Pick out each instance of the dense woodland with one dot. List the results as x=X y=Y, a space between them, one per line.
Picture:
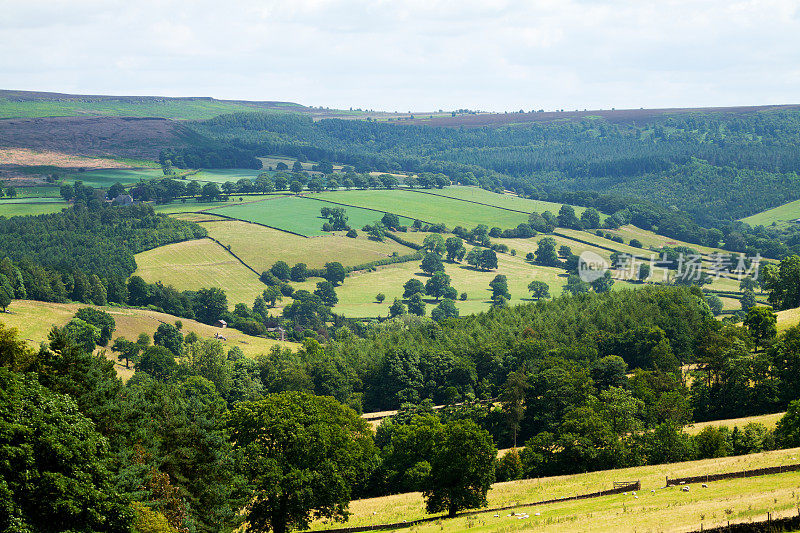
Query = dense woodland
x=585 y=382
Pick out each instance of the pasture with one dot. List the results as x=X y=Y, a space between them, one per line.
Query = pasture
x=426 y=207
x=296 y=214
x=197 y=264
x=788 y=318
x=666 y=509
x=260 y=247
x=107 y=177
x=34 y=320
x=193 y=205
x=507 y=201
x=357 y=293
x=783 y=215
x=31 y=206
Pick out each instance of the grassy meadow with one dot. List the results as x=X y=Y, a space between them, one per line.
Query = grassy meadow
x=196 y=264
x=357 y=293
x=107 y=177
x=783 y=215
x=31 y=206
x=769 y=421
x=296 y=214
x=34 y=320
x=666 y=509
x=506 y=201
x=426 y=207
x=260 y=247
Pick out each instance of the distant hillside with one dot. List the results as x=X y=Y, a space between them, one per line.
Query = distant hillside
x=28 y=104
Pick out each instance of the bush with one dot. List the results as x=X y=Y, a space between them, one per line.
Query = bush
x=463 y=296
x=636 y=243
x=352 y=233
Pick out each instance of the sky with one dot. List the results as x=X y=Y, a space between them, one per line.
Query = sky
x=418 y=55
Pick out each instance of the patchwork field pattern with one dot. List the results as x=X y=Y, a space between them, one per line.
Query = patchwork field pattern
x=260 y=247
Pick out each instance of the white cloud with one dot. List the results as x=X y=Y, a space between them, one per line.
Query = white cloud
x=411 y=54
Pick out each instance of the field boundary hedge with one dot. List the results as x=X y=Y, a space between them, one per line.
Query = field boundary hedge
x=235 y=256
x=730 y=475
x=400 y=240
x=618 y=490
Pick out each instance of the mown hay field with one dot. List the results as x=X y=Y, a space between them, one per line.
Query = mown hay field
x=666 y=509
x=197 y=264
x=260 y=247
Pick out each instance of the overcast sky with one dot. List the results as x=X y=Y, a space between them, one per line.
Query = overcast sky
x=411 y=54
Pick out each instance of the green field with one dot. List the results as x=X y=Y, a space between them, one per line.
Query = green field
x=107 y=177
x=296 y=214
x=222 y=175
x=666 y=509
x=192 y=265
x=427 y=207
x=39 y=192
x=185 y=109
x=260 y=247
x=508 y=201
x=192 y=205
x=783 y=215
x=31 y=206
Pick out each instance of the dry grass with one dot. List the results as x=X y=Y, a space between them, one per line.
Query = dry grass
x=662 y=510
x=260 y=247
x=35 y=319
x=200 y=263
x=788 y=318
x=768 y=420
